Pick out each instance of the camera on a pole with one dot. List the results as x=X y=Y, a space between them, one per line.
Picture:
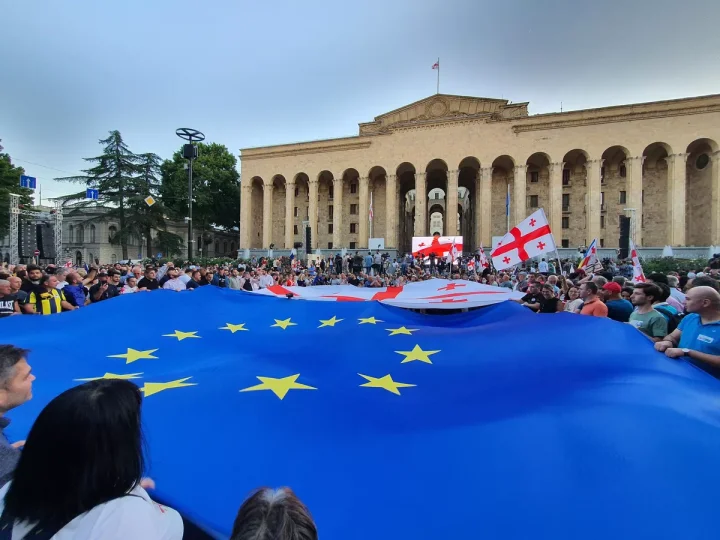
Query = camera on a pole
x=190 y=151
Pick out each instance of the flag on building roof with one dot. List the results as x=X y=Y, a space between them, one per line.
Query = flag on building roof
x=528 y=239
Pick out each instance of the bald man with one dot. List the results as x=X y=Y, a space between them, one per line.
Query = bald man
x=697 y=337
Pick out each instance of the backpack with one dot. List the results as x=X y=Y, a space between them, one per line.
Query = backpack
x=673 y=319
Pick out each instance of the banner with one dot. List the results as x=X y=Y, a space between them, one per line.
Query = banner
x=439 y=245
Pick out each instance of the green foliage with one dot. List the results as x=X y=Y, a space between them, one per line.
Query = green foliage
x=216 y=187
x=665 y=265
x=10 y=183
x=124 y=180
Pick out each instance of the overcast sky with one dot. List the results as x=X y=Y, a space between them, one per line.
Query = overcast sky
x=259 y=73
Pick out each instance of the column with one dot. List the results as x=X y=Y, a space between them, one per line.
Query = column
x=289 y=215
x=451 y=200
x=519 y=195
x=715 y=201
x=267 y=215
x=245 y=212
x=391 y=211
x=364 y=212
x=337 y=218
x=420 y=205
x=313 y=211
x=634 y=175
x=483 y=208
x=677 y=178
x=555 y=201
x=592 y=200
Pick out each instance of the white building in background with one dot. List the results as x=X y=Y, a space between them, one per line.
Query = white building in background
x=87 y=239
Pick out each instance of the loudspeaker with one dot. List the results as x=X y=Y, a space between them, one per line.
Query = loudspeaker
x=624 y=237
x=308 y=240
x=189 y=151
x=46 y=240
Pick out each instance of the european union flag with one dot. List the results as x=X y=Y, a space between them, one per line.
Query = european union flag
x=497 y=423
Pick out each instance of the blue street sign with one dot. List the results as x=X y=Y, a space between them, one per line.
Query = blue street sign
x=159 y=256
x=29 y=182
x=92 y=194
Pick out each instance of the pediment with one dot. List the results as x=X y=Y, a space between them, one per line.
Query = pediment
x=444 y=108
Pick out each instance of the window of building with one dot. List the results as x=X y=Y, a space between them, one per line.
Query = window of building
x=297 y=191
x=353 y=187
x=602 y=175
x=71 y=230
x=80 y=234
x=353 y=208
x=353 y=228
x=702 y=161
x=331 y=190
x=329 y=245
x=565 y=222
x=623 y=197
x=225 y=247
x=534 y=177
x=602 y=242
x=330 y=211
x=623 y=170
x=217 y=247
x=198 y=246
x=642 y=198
x=92 y=234
x=566 y=202
x=353 y=245
x=330 y=228
x=233 y=251
x=112 y=231
x=533 y=201
x=602 y=199
x=296 y=212
x=295 y=229
x=565 y=243
x=566 y=177
x=602 y=222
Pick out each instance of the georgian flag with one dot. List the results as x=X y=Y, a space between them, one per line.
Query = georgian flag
x=638 y=275
x=530 y=238
x=483 y=258
x=452 y=252
x=471 y=265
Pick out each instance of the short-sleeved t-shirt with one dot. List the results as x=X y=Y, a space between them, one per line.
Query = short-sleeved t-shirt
x=530 y=298
x=651 y=323
x=7 y=305
x=619 y=310
x=549 y=305
x=595 y=308
x=134 y=516
x=700 y=337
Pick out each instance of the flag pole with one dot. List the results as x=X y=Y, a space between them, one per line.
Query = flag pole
x=507 y=206
x=372 y=210
x=438 y=75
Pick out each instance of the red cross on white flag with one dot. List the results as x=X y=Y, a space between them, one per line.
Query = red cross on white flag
x=528 y=239
x=638 y=275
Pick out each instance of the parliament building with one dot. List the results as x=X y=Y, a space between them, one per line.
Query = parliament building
x=457 y=164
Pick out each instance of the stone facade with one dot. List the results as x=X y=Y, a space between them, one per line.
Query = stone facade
x=656 y=163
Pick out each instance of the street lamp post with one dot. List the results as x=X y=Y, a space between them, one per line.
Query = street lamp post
x=190 y=153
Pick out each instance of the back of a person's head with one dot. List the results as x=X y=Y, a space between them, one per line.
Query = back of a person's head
x=664 y=292
x=705 y=281
x=619 y=279
x=84 y=449
x=657 y=277
x=274 y=514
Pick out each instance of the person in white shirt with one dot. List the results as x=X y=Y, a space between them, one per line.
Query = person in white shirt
x=265 y=280
x=130 y=286
x=68 y=485
x=174 y=283
x=543 y=267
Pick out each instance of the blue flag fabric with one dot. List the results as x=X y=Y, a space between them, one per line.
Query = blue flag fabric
x=497 y=423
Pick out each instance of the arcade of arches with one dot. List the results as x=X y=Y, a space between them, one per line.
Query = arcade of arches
x=669 y=187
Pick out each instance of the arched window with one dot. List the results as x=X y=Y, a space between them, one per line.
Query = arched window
x=92 y=259
x=623 y=170
x=225 y=247
x=217 y=247
x=78 y=258
x=92 y=234
x=79 y=234
x=71 y=232
x=232 y=248
x=112 y=231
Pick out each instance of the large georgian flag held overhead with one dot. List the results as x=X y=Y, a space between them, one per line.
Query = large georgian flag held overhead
x=528 y=239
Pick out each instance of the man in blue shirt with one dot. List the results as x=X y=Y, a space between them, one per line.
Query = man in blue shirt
x=619 y=309
x=697 y=337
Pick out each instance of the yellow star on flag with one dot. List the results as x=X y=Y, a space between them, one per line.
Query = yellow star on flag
x=125 y=377
x=401 y=330
x=330 y=322
x=283 y=323
x=280 y=387
x=151 y=388
x=417 y=354
x=386 y=383
x=132 y=355
x=369 y=320
x=149 y=200
x=234 y=327
x=182 y=335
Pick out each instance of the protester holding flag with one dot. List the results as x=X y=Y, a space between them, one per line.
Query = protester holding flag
x=530 y=238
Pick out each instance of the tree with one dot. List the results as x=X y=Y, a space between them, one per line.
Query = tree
x=216 y=187
x=123 y=180
x=10 y=183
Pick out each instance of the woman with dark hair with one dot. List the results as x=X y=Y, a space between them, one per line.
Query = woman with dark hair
x=79 y=473
x=274 y=514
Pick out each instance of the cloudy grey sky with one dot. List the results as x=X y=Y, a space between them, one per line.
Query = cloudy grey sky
x=258 y=73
